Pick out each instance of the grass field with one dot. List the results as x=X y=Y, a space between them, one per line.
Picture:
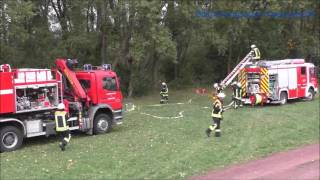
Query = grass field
x=145 y=147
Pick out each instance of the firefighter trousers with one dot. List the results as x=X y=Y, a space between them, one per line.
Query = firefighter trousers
x=237 y=101
x=65 y=137
x=215 y=127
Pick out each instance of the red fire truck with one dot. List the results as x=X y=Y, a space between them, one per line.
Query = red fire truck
x=29 y=97
x=277 y=81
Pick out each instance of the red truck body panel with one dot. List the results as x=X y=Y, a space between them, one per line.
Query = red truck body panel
x=6 y=93
x=293 y=76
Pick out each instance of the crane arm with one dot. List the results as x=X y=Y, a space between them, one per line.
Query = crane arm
x=79 y=92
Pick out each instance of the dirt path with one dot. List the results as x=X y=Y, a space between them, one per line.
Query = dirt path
x=301 y=164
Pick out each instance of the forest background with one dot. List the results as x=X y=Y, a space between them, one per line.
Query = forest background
x=184 y=43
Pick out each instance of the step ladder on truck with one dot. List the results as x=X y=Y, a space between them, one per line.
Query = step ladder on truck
x=232 y=75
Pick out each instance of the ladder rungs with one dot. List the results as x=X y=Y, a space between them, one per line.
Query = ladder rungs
x=236 y=69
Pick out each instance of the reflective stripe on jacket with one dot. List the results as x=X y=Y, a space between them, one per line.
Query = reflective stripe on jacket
x=258 y=98
x=256 y=53
x=61 y=121
x=164 y=91
x=217 y=109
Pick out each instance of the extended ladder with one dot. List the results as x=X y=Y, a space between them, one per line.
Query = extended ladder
x=235 y=71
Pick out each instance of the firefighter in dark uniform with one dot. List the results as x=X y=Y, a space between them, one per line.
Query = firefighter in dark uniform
x=62 y=127
x=237 y=94
x=255 y=53
x=216 y=115
x=164 y=93
x=217 y=88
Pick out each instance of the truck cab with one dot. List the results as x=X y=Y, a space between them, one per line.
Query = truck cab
x=102 y=86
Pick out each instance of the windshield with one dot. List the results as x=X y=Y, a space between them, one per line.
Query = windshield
x=109 y=83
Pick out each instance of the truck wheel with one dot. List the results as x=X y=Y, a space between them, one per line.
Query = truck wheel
x=310 y=94
x=102 y=124
x=11 y=138
x=283 y=98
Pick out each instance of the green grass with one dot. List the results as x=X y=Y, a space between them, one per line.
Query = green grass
x=148 y=148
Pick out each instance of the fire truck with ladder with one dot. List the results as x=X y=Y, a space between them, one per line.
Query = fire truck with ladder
x=274 y=81
x=29 y=98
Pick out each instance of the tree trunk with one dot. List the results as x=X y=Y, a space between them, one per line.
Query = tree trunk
x=102 y=28
x=176 y=70
x=154 y=66
x=155 y=74
x=61 y=9
x=103 y=46
x=229 y=57
x=3 y=33
x=185 y=50
x=130 y=86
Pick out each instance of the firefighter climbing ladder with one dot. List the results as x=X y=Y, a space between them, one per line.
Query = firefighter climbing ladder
x=236 y=71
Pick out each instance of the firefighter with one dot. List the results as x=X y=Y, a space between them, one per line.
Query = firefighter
x=217 y=88
x=164 y=93
x=62 y=127
x=5 y=68
x=216 y=115
x=255 y=53
x=237 y=94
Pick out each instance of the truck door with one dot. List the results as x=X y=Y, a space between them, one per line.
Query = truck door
x=111 y=93
x=292 y=88
x=302 y=81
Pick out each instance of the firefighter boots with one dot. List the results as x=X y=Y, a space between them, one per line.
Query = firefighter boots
x=208 y=131
x=62 y=146
x=217 y=134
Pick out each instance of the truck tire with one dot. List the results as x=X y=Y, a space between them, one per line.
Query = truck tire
x=283 y=98
x=310 y=96
x=11 y=138
x=102 y=124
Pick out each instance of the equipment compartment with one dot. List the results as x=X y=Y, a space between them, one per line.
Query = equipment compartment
x=34 y=98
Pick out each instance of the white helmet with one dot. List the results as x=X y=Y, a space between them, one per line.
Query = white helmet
x=234 y=83
x=61 y=106
x=221 y=95
x=253 y=46
x=215 y=85
x=164 y=84
x=239 y=84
